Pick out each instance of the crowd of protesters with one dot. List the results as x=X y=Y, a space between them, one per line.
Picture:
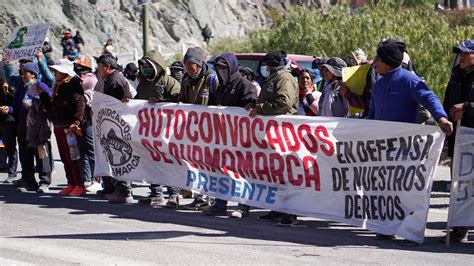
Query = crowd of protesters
x=42 y=100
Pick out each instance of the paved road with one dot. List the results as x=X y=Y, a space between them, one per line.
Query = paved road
x=49 y=229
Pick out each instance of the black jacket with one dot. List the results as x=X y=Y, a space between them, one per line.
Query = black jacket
x=115 y=85
x=6 y=100
x=236 y=90
x=460 y=89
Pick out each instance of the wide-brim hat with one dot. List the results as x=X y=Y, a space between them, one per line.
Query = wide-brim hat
x=335 y=66
x=64 y=66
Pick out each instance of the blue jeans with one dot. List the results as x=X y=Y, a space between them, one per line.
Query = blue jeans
x=87 y=150
x=222 y=204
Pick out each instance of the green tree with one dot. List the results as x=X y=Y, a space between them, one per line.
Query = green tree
x=428 y=35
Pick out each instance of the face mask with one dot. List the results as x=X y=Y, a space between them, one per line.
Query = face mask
x=223 y=75
x=195 y=75
x=29 y=83
x=177 y=75
x=148 y=72
x=264 y=71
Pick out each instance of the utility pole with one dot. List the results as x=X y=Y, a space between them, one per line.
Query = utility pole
x=146 y=28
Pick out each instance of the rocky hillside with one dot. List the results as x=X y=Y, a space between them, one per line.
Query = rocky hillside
x=173 y=23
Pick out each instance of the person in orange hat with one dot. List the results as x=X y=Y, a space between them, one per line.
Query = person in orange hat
x=83 y=67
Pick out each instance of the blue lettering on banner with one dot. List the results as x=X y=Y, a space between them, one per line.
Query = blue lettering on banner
x=239 y=188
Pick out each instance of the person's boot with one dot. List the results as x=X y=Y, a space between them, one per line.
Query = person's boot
x=10 y=179
x=19 y=182
x=214 y=210
x=197 y=203
x=173 y=202
x=78 y=191
x=457 y=235
x=66 y=191
x=116 y=198
x=288 y=220
x=26 y=188
x=43 y=188
x=240 y=213
x=272 y=215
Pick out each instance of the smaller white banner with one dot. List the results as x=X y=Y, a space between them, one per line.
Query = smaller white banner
x=461 y=210
x=25 y=41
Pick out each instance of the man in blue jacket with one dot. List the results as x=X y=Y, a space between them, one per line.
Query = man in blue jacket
x=398 y=92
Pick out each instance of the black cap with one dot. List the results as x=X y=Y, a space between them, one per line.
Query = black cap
x=274 y=58
x=391 y=52
x=177 y=65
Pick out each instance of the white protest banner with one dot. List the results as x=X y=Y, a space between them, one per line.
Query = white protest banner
x=372 y=174
x=461 y=205
x=25 y=41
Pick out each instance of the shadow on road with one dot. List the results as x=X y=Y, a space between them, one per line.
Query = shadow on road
x=314 y=232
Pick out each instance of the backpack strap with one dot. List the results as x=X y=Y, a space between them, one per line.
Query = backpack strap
x=212 y=80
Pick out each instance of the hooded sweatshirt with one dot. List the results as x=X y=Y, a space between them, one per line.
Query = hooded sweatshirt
x=162 y=87
x=235 y=90
x=197 y=91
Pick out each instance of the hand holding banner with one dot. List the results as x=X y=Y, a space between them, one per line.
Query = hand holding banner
x=372 y=174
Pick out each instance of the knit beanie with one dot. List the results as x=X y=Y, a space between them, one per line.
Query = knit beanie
x=30 y=67
x=391 y=52
x=194 y=55
x=273 y=59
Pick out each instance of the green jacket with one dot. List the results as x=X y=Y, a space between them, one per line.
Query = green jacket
x=279 y=94
x=198 y=91
x=162 y=87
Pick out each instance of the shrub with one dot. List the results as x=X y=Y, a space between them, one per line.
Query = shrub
x=428 y=35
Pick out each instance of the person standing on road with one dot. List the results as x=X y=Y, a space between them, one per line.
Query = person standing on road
x=398 y=93
x=156 y=86
x=65 y=108
x=459 y=104
x=8 y=131
x=28 y=124
x=233 y=90
x=279 y=96
x=83 y=68
x=116 y=85
x=199 y=82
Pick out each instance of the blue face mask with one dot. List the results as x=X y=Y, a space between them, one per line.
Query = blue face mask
x=264 y=71
x=29 y=83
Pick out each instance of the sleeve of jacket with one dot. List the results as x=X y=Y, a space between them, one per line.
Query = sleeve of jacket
x=248 y=93
x=80 y=107
x=371 y=114
x=313 y=100
x=47 y=75
x=428 y=99
x=174 y=88
x=355 y=99
x=284 y=91
x=448 y=101
x=12 y=80
x=182 y=95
